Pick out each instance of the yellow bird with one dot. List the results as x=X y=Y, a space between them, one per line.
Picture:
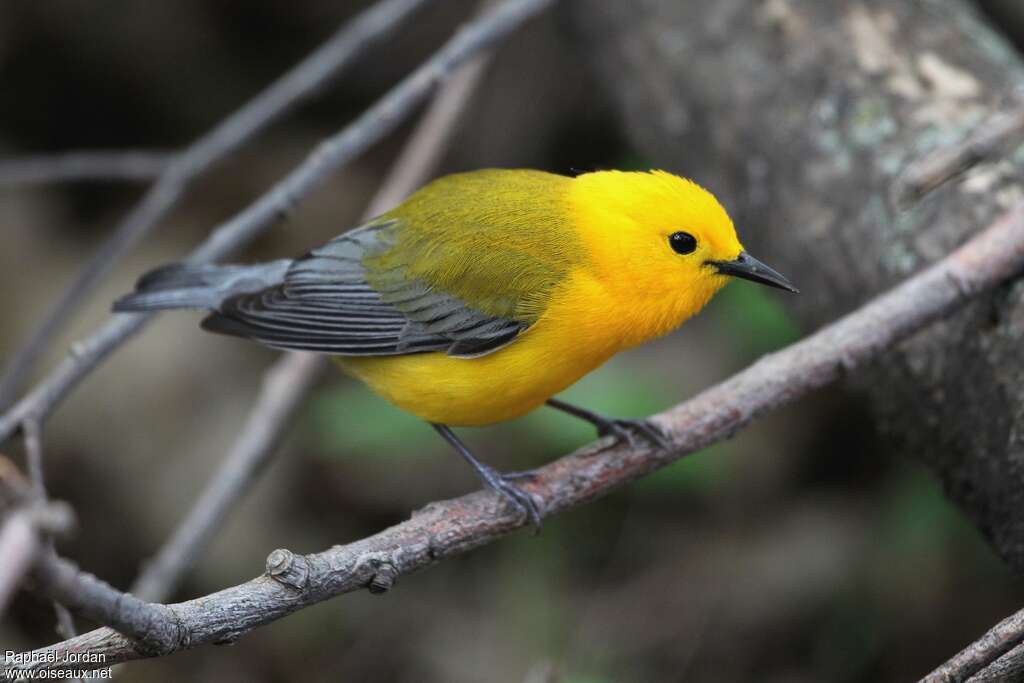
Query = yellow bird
x=485 y=293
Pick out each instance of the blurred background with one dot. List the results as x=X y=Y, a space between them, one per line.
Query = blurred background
x=798 y=551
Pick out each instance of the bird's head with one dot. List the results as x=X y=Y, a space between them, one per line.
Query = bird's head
x=663 y=242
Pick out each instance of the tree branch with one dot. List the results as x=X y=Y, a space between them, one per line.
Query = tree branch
x=130 y=165
x=1002 y=643
x=27 y=543
x=449 y=528
x=326 y=159
x=28 y=519
x=154 y=628
x=19 y=544
x=989 y=140
x=293 y=88
x=48 y=550
x=286 y=384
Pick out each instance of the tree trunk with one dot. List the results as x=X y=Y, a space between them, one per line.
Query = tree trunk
x=800 y=115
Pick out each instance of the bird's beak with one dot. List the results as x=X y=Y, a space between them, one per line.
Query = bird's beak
x=749 y=268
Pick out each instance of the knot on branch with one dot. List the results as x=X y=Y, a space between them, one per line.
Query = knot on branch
x=53 y=517
x=436 y=508
x=157 y=629
x=381 y=569
x=384 y=578
x=229 y=638
x=287 y=568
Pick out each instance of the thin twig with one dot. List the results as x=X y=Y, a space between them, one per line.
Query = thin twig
x=65 y=622
x=991 y=139
x=449 y=528
x=19 y=544
x=30 y=523
x=34 y=456
x=1007 y=669
x=327 y=158
x=48 y=550
x=103 y=165
x=19 y=541
x=998 y=641
x=27 y=544
x=296 y=86
x=422 y=153
x=287 y=382
x=154 y=627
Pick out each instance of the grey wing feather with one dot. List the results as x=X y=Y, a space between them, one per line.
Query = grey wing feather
x=325 y=305
x=202 y=286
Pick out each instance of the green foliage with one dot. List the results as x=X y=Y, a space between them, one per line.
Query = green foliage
x=753 y=318
x=350 y=420
x=919 y=525
x=532 y=569
x=847 y=644
x=587 y=678
x=699 y=474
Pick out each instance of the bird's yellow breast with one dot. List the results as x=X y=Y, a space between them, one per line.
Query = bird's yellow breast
x=555 y=352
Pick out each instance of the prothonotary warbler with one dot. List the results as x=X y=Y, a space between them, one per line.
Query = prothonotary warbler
x=485 y=293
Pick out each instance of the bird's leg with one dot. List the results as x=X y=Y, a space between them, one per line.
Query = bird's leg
x=623 y=429
x=519 y=499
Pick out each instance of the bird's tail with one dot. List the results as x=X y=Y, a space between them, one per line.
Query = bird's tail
x=205 y=286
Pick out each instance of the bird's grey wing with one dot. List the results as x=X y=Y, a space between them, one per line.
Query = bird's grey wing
x=326 y=305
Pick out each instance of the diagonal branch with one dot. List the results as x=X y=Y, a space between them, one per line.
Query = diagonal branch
x=34 y=457
x=19 y=545
x=990 y=140
x=29 y=521
x=449 y=528
x=293 y=88
x=154 y=627
x=379 y=120
x=287 y=382
x=26 y=546
x=1002 y=648
x=19 y=542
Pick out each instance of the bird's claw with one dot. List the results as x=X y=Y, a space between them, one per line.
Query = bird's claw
x=519 y=499
x=628 y=430
x=525 y=474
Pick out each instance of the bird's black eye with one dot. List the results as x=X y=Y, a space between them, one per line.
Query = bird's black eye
x=682 y=242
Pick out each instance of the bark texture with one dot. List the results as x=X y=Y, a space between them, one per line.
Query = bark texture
x=800 y=115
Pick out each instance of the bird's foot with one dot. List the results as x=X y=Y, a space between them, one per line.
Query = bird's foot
x=623 y=429
x=502 y=483
x=515 y=496
x=629 y=431
x=524 y=474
